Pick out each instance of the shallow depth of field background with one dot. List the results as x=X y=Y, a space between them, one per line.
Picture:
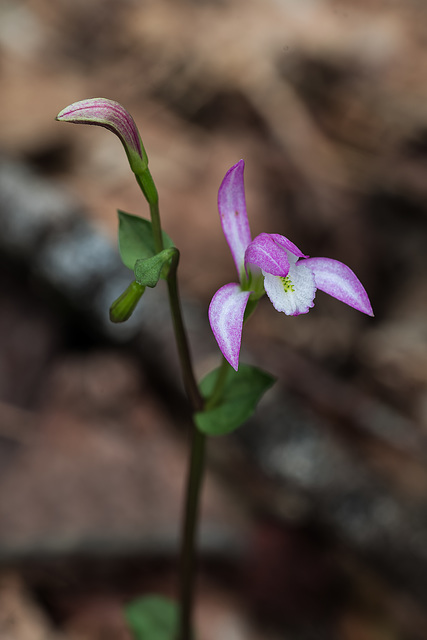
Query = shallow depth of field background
x=315 y=514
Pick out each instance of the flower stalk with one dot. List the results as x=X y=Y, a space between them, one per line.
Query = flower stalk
x=148 y=188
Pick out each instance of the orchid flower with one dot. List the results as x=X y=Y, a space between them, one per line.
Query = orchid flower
x=270 y=264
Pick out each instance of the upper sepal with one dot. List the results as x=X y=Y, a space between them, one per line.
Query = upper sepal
x=233 y=215
x=110 y=115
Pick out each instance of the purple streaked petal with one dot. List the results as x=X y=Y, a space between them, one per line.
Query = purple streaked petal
x=226 y=312
x=335 y=278
x=266 y=254
x=110 y=115
x=232 y=211
x=287 y=244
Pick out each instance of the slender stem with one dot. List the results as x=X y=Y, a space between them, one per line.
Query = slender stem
x=188 y=545
x=196 y=468
x=194 y=483
x=157 y=229
x=190 y=383
x=149 y=190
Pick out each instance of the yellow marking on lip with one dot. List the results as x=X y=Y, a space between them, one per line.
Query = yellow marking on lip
x=287 y=284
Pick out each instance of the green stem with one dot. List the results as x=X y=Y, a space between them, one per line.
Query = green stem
x=194 y=483
x=149 y=190
x=156 y=226
x=197 y=458
x=188 y=544
x=190 y=383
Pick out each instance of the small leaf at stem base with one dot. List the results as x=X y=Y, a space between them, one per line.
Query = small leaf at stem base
x=242 y=392
x=152 y=618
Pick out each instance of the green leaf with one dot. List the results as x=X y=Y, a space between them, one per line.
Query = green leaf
x=242 y=392
x=148 y=270
x=152 y=618
x=136 y=239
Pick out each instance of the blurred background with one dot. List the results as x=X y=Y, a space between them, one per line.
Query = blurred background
x=314 y=513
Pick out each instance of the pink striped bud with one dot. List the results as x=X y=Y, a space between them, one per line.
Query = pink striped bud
x=111 y=115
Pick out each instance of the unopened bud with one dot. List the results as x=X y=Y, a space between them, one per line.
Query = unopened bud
x=110 y=115
x=122 y=308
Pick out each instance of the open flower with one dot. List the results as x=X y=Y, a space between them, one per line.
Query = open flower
x=110 y=115
x=270 y=264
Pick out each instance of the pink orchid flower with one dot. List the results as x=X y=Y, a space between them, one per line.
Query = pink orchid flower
x=270 y=264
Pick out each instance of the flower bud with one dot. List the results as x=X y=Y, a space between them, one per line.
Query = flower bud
x=122 y=308
x=111 y=115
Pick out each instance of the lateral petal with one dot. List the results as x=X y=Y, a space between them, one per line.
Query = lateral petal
x=226 y=312
x=338 y=280
x=288 y=245
x=265 y=253
x=234 y=218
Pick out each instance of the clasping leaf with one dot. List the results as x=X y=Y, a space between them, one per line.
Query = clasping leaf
x=136 y=239
x=149 y=270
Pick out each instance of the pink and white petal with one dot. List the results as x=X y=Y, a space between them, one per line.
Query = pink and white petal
x=294 y=294
x=335 y=278
x=232 y=211
x=265 y=253
x=287 y=244
x=226 y=312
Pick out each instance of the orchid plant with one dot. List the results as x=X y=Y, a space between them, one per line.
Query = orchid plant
x=270 y=264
